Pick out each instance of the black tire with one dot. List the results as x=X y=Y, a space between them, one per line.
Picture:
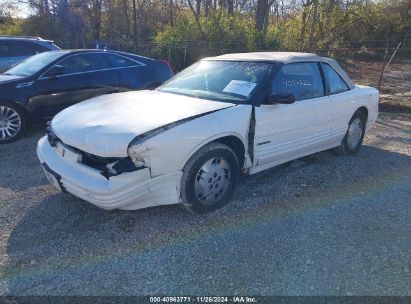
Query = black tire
x=209 y=152
x=345 y=148
x=23 y=123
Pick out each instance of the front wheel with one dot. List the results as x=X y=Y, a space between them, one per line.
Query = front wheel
x=12 y=122
x=353 y=139
x=209 y=178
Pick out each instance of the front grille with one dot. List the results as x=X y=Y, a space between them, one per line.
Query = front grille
x=88 y=159
x=99 y=163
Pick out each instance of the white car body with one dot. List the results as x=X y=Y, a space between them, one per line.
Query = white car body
x=177 y=126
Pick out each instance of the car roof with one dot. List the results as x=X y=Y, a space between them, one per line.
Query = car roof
x=97 y=50
x=81 y=51
x=285 y=57
x=30 y=38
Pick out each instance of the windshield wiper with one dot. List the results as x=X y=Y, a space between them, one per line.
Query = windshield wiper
x=226 y=96
x=242 y=97
x=18 y=75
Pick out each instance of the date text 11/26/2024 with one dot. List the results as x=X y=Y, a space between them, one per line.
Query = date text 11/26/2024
x=204 y=299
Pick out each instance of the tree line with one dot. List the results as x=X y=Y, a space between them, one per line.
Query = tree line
x=228 y=24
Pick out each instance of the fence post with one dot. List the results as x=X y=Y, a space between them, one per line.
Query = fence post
x=383 y=66
x=392 y=56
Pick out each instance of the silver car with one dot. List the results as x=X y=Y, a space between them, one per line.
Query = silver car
x=14 y=49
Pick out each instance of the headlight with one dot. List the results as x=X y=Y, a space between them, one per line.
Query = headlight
x=120 y=166
x=138 y=160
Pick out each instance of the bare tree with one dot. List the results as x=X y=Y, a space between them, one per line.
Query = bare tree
x=261 y=17
x=305 y=5
x=208 y=6
x=313 y=23
x=93 y=10
x=171 y=14
x=127 y=19
x=135 y=28
x=196 y=14
x=198 y=8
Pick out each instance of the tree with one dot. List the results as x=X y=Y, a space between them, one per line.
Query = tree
x=261 y=18
x=313 y=22
x=135 y=26
x=93 y=11
x=197 y=13
x=305 y=6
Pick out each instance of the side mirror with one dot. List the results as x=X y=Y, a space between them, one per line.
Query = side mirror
x=56 y=71
x=285 y=98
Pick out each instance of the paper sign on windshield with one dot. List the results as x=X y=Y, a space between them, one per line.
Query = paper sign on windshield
x=240 y=87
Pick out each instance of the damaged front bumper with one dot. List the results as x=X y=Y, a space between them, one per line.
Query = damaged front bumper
x=127 y=191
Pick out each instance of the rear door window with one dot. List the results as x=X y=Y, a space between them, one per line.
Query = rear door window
x=335 y=83
x=304 y=80
x=83 y=63
x=117 y=61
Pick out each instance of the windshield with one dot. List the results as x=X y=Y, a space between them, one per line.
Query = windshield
x=230 y=81
x=34 y=64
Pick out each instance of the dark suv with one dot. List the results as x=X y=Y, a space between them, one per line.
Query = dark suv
x=14 y=49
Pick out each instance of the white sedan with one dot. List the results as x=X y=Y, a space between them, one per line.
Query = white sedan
x=188 y=141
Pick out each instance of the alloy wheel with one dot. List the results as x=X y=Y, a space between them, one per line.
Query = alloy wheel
x=10 y=123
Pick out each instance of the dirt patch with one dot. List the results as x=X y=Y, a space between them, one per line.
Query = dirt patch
x=395 y=90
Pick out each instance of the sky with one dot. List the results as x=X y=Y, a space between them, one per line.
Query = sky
x=22 y=9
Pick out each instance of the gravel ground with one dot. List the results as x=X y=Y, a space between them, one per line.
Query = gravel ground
x=321 y=225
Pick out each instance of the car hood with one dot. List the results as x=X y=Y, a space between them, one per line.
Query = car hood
x=8 y=78
x=105 y=125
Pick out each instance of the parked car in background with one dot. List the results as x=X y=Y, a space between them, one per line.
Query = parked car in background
x=46 y=83
x=14 y=49
x=187 y=141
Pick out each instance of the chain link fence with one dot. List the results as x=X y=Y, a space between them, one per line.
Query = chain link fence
x=180 y=55
x=366 y=61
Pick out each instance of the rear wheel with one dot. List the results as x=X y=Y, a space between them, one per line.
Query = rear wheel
x=353 y=139
x=12 y=122
x=209 y=178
